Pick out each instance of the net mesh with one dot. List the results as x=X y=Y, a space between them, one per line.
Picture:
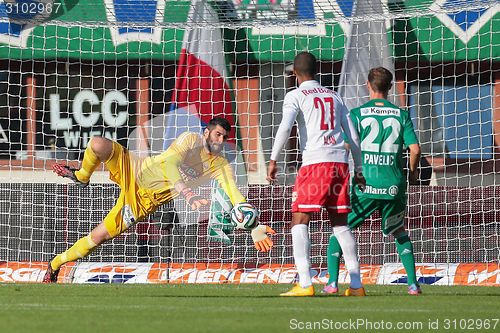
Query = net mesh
x=109 y=68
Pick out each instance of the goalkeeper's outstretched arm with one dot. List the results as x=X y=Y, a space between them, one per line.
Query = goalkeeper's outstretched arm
x=227 y=182
x=259 y=235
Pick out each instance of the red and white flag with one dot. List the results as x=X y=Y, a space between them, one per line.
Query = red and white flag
x=201 y=89
x=201 y=93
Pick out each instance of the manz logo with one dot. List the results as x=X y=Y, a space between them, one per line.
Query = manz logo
x=88 y=120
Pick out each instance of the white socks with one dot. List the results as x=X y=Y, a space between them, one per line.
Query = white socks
x=301 y=246
x=348 y=245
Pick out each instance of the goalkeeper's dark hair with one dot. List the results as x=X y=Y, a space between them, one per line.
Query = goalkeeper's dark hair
x=380 y=79
x=305 y=64
x=222 y=122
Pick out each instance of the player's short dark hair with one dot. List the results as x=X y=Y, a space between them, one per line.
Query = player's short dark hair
x=222 y=122
x=305 y=64
x=380 y=79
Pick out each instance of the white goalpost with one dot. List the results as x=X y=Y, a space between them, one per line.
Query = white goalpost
x=142 y=72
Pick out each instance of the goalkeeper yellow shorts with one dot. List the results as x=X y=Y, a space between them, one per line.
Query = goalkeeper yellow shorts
x=134 y=203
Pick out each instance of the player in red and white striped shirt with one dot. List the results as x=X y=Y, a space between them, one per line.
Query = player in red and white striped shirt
x=323 y=179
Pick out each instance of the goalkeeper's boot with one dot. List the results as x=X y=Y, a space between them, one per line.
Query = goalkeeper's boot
x=50 y=275
x=355 y=292
x=414 y=289
x=298 y=291
x=331 y=288
x=67 y=172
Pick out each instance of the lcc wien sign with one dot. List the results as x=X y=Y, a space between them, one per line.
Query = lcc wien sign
x=87 y=114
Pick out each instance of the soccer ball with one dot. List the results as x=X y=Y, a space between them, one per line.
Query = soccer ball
x=244 y=216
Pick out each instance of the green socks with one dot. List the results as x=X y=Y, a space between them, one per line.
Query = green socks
x=403 y=245
x=334 y=253
x=405 y=251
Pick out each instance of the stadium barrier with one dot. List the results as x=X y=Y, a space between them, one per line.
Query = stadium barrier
x=455 y=232
x=473 y=274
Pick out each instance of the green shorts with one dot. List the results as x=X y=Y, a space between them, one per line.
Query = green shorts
x=392 y=212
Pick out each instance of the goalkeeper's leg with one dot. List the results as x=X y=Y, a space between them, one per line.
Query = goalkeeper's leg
x=98 y=150
x=82 y=248
x=122 y=216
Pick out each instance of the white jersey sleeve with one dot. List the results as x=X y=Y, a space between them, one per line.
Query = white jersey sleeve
x=290 y=111
x=352 y=136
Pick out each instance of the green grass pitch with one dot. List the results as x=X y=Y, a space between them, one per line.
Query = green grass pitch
x=242 y=308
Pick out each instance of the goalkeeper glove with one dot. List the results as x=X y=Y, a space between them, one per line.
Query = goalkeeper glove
x=193 y=199
x=260 y=239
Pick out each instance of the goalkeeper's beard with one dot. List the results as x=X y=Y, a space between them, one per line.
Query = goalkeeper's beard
x=212 y=147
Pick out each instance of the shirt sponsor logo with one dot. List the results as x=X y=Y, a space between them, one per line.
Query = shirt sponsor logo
x=393 y=190
x=189 y=173
x=377 y=111
x=372 y=190
x=319 y=90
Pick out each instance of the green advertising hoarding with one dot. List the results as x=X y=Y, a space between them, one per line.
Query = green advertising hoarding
x=113 y=30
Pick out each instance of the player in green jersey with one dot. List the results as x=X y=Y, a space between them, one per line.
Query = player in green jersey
x=384 y=130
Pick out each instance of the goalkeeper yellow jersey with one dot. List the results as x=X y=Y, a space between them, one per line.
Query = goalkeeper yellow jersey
x=186 y=159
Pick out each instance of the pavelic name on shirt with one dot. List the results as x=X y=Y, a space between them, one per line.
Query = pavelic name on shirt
x=375 y=159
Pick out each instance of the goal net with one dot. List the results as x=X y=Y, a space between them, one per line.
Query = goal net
x=142 y=72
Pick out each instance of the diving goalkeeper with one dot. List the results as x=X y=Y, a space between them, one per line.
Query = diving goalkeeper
x=146 y=183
